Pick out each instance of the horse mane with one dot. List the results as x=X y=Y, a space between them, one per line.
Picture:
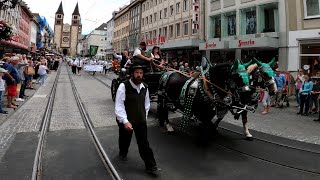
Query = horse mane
x=252 y=67
x=220 y=72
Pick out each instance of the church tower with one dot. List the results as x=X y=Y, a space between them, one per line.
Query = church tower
x=75 y=30
x=58 y=25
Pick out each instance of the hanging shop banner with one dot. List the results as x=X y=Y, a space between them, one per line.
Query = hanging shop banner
x=93 y=68
x=93 y=50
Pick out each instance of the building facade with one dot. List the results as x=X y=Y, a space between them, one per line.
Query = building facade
x=303 y=36
x=109 y=42
x=135 y=8
x=174 y=26
x=245 y=29
x=121 y=30
x=34 y=27
x=66 y=36
x=12 y=18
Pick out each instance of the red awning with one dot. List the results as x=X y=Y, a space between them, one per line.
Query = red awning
x=14 y=44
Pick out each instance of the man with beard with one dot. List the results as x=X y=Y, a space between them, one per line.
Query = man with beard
x=131 y=109
x=139 y=55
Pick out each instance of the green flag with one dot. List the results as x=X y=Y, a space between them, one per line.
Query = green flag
x=93 y=50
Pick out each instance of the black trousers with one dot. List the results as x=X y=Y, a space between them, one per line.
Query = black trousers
x=74 y=69
x=141 y=134
x=304 y=103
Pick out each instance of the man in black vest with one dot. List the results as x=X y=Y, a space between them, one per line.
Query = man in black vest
x=131 y=108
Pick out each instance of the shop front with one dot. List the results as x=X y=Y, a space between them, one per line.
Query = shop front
x=183 y=50
x=263 y=48
x=310 y=57
x=219 y=51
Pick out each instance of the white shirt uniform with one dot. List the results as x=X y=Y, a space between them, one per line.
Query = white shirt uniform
x=120 y=109
x=137 y=52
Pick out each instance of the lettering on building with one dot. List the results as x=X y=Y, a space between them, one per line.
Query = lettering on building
x=246 y=43
x=196 y=16
x=211 y=45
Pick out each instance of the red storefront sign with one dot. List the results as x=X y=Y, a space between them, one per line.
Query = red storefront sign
x=211 y=45
x=246 y=43
x=156 y=41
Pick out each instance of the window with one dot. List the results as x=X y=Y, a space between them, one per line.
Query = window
x=194 y=31
x=147 y=20
x=165 y=12
x=160 y=31
x=178 y=8
x=171 y=31
x=311 y=8
x=58 y=22
x=251 y=22
x=155 y=2
x=155 y=17
x=150 y=18
x=171 y=10
x=75 y=17
x=147 y=5
x=177 y=29
x=59 y=16
x=151 y=3
x=232 y=24
x=144 y=7
x=270 y=21
x=185 y=5
x=185 y=28
x=154 y=33
x=142 y=21
x=165 y=31
x=160 y=14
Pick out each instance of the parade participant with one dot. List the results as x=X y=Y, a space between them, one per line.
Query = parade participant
x=139 y=56
x=155 y=53
x=131 y=109
x=305 y=96
x=79 y=66
x=74 y=66
x=121 y=58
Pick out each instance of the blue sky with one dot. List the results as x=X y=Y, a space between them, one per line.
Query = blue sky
x=93 y=12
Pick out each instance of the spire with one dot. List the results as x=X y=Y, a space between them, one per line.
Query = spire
x=60 y=9
x=76 y=10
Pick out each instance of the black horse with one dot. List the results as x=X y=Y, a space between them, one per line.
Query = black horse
x=214 y=92
x=261 y=78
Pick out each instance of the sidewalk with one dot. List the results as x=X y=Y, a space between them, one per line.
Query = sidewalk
x=28 y=117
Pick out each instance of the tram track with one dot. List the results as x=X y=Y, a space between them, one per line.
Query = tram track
x=37 y=172
x=250 y=155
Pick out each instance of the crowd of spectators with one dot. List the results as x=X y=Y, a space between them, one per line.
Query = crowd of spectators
x=18 y=73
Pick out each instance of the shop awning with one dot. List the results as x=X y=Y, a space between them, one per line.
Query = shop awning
x=262 y=42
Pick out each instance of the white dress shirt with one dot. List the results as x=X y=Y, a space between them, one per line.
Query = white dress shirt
x=121 y=97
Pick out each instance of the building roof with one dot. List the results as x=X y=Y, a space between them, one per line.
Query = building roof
x=102 y=27
x=76 y=10
x=60 y=9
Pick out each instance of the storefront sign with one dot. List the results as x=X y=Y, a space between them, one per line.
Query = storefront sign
x=196 y=14
x=246 y=43
x=254 y=43
x=212 y=45
x=156 y=41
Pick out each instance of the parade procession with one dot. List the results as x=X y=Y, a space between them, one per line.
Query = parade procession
x=210 y=89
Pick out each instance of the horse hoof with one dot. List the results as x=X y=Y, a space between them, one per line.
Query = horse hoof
x=249 y=138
